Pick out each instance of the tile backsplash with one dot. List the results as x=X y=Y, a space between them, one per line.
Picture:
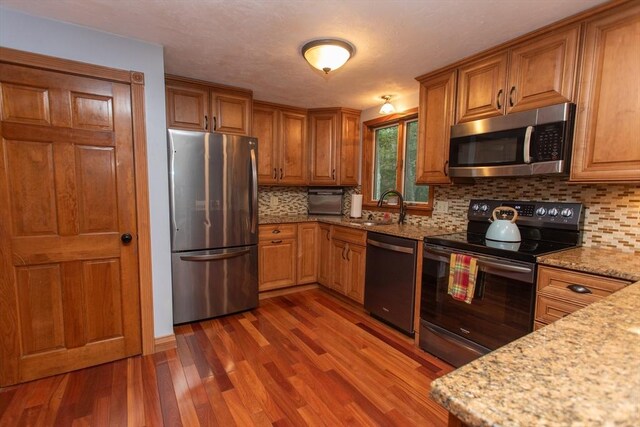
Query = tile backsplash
x=612 y=215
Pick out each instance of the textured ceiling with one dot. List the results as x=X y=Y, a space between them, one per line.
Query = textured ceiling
x=255 y=44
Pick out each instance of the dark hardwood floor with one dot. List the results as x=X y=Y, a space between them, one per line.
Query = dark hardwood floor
x=301 y=359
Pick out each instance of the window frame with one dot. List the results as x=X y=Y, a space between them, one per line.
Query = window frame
x=368 y=152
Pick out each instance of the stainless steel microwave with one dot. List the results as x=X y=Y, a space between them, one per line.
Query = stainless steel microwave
x=534 y=142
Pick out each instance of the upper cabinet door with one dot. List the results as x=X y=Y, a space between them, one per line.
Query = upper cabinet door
x=231 y=113
x=293 y=149
x=437 y=100
x=265 y=128
x=542 y=71
x=607 y=135
x=187 y=107
x=324 y=144
x=350 y=149
x=481 y=88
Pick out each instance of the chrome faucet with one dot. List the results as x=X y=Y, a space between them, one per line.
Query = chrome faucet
x=403 y=211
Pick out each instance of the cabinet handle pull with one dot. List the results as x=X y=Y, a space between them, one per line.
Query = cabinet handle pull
x=215 y=123
x=275 y=173
x=276 y=231
x=446 y=168
x=276 y=241
x=498 y=100
x=328 y=236
x=511 y=92
x=333 y=174
x=206 y=122
x=579 y=289
x=280 y=173
x=348 y=252
x=344 y=249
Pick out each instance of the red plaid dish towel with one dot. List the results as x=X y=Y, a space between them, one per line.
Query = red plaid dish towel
x=462 y=277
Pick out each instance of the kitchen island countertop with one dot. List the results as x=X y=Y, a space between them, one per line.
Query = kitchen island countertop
x=410 y=231
x=581 y=370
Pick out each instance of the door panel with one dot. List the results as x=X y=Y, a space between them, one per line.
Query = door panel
x=94 y=169
x=40 y=298
x=30 y=175
x=324 y=135
x=481 y=88
x=66 y=172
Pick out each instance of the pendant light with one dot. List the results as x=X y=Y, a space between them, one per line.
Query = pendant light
x=387 y=107
x=327 y=54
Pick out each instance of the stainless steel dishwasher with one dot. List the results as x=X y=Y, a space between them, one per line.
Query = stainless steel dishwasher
x=390 y=280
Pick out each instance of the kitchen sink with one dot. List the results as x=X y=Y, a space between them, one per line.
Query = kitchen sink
x=369 y=223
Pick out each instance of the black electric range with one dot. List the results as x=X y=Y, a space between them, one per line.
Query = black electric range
x=545 y=227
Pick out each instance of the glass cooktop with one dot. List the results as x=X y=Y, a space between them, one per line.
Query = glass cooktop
x=526 y=250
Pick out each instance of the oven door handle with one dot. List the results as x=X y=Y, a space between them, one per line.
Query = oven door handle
x=481 y=262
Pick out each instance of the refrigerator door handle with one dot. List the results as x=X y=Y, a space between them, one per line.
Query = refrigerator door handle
x=254 y=190
x=214 y=257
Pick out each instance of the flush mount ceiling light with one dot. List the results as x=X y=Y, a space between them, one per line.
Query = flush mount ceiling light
x=387 y=107
x=327 y=54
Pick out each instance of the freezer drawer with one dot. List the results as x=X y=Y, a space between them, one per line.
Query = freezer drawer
x=214 y=282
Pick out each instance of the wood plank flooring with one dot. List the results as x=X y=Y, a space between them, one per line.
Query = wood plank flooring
x=304 y=359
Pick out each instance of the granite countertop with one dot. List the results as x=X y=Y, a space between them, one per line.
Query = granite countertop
x=401 y=230
x=605 y=262
x=582 y=370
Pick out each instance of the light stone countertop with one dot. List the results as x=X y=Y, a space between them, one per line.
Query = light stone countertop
x=582 y=370
x=605 y=262
x=401 y=230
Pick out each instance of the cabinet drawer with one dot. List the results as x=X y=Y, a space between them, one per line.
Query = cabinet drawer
x=557 y=283
x=549 y=309
x=346 y=234
x=277 y=231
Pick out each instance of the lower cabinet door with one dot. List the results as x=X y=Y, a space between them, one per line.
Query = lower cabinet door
x=355 y=256
x=324 y=255
x=307 y=253
x=340 y=266
x=277 y=264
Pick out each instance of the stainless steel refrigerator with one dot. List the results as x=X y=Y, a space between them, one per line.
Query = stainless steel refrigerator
x=214 y=224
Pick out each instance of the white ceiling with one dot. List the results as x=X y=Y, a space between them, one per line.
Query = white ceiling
x=256 y=44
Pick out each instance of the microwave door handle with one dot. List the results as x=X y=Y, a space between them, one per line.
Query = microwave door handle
x=527 y=145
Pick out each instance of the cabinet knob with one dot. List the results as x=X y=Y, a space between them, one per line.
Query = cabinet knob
x=281 y=173
x=498 y=104
x=333 y=174
x=579 y=289
x=276 y=241
x=215 y=123
x=206 y=122
x=275 y=173
x=511 y=92
x=126 y=238
x=446 y=168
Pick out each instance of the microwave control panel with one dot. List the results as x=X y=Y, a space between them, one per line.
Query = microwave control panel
x=548 y=142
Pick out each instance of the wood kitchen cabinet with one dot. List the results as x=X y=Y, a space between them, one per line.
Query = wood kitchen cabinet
x=277 y=256
x=197 y=105
x=606 y=146
x=436 y=115
x=348 y=252
x=282 y=144
x=324 y=255
x=308 y=246
x=535 y=73
x=561 y=292
x=334 y=146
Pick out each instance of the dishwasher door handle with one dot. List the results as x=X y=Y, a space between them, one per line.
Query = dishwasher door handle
x=390 y=247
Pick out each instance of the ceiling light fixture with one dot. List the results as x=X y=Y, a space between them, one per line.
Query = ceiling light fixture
x=327 y=54
x=387 y=107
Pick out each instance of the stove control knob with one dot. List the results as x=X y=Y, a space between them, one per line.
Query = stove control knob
x=567 y=212
x=541 y=211
x=553 y=212
x=484 y=208
x=475 y=207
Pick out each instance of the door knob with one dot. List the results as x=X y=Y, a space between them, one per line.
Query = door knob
x=126 y=238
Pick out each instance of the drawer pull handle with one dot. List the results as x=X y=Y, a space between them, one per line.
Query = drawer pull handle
x=579 y=289
x=276 y=241
x=276 y=231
